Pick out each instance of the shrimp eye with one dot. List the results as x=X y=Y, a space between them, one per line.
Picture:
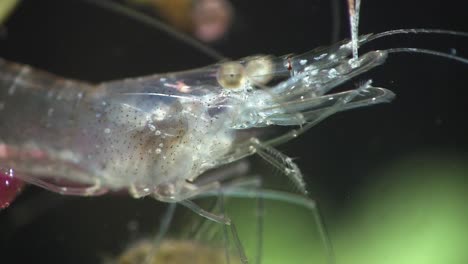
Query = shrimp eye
x=231 y=75
x=259 y=70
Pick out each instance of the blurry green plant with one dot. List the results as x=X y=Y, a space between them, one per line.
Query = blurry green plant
x=414 y=213
x=6 y=8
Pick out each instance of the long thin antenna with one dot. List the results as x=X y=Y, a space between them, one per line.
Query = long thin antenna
x=354 y=9
x=153 y=22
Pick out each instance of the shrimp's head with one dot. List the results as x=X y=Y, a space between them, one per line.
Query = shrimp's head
x=191 y=122
x=260 y=91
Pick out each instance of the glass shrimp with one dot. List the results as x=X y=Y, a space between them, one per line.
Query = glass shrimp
x=155 y=135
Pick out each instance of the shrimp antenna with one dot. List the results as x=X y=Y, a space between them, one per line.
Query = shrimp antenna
x=418 y=50
x=354 y=7
x=416 y=31
x=429 y=52
x=155 y=23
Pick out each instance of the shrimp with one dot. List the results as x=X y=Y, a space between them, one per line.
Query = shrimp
x=153 y=135
x=156 y=135
x=131 y=133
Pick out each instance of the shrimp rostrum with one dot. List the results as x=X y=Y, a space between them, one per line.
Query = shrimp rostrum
x=155 y=135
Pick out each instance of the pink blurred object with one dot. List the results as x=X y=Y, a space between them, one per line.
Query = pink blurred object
x=212 y=19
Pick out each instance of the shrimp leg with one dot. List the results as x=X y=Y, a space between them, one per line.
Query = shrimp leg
x=249 y=187
x=221 y=219
x=93 y=190
x=163 y=228
x=281 y=196
x=281 y=162
x=218 y=189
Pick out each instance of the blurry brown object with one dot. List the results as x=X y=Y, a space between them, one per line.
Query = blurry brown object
x=173 y=252
x=207 y=20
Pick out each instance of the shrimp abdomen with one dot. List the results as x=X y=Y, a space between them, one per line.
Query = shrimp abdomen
x=41 y=118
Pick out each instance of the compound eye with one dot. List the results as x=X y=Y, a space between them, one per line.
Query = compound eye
x=231 y=75
x=260 y=70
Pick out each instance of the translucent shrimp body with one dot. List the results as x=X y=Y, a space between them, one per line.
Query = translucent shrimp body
x=155 y=135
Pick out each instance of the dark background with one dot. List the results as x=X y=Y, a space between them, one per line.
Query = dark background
x=81 y=41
